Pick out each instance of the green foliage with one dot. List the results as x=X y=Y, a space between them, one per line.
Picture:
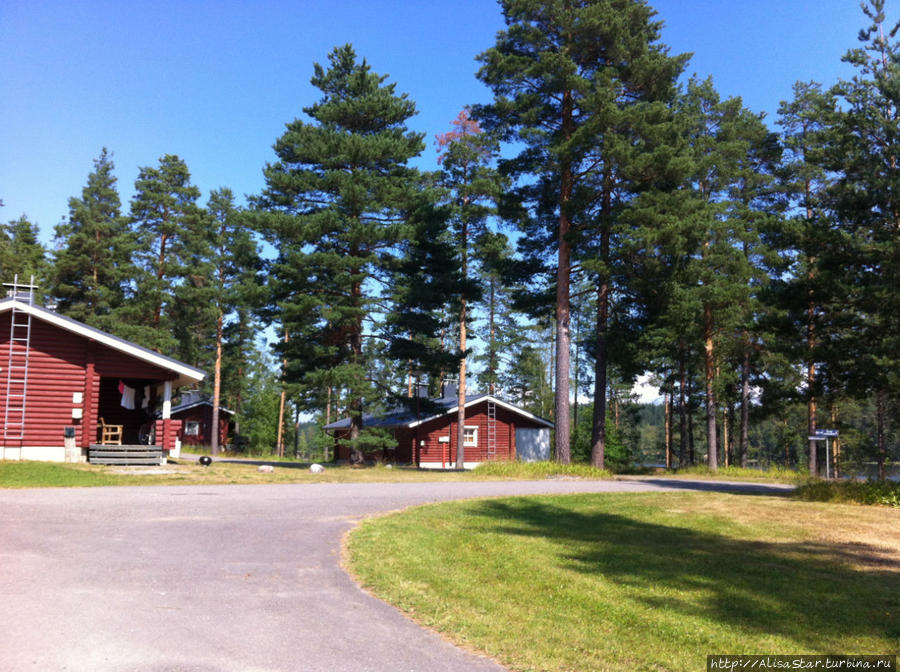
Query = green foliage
x=22 y=254
x=882 y=493
x=92 y=262
x=258 y=420
x=167 y=224
x=618 y=453
x=335 y=206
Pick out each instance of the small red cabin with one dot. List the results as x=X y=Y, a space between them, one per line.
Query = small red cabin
x=494 y=430
x=60 y=380
x=195 y=414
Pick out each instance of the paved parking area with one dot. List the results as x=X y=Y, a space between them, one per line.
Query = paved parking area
x=216 y=578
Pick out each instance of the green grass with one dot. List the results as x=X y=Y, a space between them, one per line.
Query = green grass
x=538 y=470
x=50 y=475
x=649 y=581
x=883 y=493
x=184 y=472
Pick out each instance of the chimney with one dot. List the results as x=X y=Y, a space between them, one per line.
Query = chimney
x=450 y=391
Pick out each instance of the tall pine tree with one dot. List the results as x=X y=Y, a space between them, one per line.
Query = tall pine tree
x=336 y=203
x=92 y=262
x=564 y=74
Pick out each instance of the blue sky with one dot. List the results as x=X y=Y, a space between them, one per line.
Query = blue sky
x=215 y=82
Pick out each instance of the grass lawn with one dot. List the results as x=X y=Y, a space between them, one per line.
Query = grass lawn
x=184 y=472
x=648 y=581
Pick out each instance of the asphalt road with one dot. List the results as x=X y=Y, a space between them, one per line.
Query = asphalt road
x=219 y=578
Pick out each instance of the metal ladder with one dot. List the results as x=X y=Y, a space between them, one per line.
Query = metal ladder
x=491 y=430
x=17 y=362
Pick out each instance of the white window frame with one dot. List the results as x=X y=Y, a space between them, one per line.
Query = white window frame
x=192 y=428
x=474 y=440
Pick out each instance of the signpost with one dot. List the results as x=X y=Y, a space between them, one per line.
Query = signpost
x=825 y=435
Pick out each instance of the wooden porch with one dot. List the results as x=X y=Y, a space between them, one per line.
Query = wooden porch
x=125 y=454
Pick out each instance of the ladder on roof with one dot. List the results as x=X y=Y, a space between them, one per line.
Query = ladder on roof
x=17 y=361
x=491 y=430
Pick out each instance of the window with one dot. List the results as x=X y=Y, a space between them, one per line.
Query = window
x=470 y=436
x=191 y=428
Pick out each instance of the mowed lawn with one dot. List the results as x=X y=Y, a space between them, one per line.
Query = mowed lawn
x=649 y=581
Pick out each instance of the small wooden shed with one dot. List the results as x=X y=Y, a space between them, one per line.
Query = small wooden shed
x=495 y=430
x=61 y=379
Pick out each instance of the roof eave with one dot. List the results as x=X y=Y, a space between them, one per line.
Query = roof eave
x=185 y=374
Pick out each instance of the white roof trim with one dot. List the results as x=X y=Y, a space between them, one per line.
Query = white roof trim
x=478 y=400
x=186 y=374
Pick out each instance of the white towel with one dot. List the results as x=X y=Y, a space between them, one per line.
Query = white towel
x=128 y=397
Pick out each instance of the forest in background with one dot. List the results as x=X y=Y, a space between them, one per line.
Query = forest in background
x=601 y=219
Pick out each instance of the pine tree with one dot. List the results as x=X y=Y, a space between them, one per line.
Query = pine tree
x=564 y=75
x=866 y=153
x=163 y=210
x=721 y=244
x=501 y=333
x=92 y=262
x=21 y=254
x=236 y=292
x=336 y=204
x=474 y=187
x=801 y=294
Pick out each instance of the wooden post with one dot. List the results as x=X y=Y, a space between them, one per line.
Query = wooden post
x=167 y=442
x=88 y=425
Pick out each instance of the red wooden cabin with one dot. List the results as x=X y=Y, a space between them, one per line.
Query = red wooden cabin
x=494 y=430
x=59 y=378
x=196 y=418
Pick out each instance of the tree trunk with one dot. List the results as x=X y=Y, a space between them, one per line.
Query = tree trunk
x=881 y=456
x=601 y=362
x=280 y=441
x=690 y=417
x=563 y=278
x=492 y=346
x=836 y=445
x=667 y=398
x=682 y=413
x=217 y=387
x=356 y=396
x=598 y=429
x=725 y=432
x=461 y=389
x=712 y=458
x=744 y=443
x=810 y=387
x=160 y=273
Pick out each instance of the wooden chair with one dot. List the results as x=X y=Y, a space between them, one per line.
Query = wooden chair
x=110 y=435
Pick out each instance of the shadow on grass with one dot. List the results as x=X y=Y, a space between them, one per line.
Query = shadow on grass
x=804 y=591
x=741 y=487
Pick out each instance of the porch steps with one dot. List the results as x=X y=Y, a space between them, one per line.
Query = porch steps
x=128 y=454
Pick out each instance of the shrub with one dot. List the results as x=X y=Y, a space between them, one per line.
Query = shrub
x=883 y=493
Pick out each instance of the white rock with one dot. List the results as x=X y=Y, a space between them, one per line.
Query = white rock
x=316 y=468
x=266 y=468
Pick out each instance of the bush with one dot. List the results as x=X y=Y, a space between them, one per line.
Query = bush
x=617 y=456
x=882 y=493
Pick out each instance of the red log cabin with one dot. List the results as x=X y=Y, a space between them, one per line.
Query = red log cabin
x=195 y=414
x=494 y=430
x=61 y=380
